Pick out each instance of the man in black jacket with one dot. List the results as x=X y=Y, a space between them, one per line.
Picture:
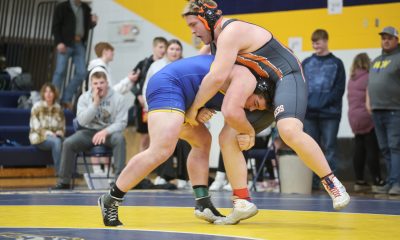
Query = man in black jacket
x=71 y=23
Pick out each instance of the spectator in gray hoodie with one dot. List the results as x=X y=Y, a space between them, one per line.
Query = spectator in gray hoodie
x=102 y=117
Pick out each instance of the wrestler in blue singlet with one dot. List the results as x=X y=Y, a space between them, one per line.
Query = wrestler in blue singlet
x=174 y=87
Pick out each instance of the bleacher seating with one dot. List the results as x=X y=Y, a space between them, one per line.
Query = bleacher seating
x=9 y=99
x=14 y=126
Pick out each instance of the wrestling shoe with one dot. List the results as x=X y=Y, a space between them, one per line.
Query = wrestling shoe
x=109 y=210
x=205 y=210
x=242 y=209
x=336 y=191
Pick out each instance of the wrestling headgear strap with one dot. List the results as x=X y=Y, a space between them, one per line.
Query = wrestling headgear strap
x=209 y=15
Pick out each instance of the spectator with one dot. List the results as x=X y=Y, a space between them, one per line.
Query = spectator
x=159 y=48
x=326 y=79
x=105 y=54
x=366 y=144
x=384 y=101
x=102 y=118
x=47 y=124
x=71 y=23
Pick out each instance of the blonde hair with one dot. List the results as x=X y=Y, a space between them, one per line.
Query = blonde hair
x=52 y=88
x=193 y=7
x=361 y=61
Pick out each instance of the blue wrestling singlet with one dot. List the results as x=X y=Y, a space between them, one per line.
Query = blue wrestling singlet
x=174 y=87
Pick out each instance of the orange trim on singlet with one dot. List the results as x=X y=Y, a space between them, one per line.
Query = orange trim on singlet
x=253 y=65
x=265 y=61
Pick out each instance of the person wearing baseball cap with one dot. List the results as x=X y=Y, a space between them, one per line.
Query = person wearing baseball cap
x=390 y=31
x=384 y=103
x=390 y=39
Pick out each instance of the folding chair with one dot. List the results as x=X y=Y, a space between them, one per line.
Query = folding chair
x=270 y=149
x=96 y=151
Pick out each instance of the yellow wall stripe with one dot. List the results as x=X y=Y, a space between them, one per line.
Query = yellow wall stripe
x=353 y=29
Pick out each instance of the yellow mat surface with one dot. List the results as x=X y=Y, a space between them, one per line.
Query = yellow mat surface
x=267 y=224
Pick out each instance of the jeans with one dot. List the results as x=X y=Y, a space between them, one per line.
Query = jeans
x=324 y=132
x=77 y=52
x=82 y=141
x=54 y=144
x=366 y=150
x=387 y=128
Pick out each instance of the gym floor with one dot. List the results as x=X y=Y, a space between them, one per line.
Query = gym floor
x=169 y=215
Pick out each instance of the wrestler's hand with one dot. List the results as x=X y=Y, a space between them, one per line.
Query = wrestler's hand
x=205 y=114
x=245 y=141
x=190 y=116
x=99 y=137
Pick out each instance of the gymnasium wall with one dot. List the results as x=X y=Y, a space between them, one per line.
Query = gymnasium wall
x=353 y=30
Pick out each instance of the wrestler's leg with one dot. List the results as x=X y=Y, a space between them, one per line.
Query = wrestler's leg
x=199 y=139
x=291 y=105
x=198 y=168
x=164 y=129
x=235 y=164
x=236 y=170
x=291 y=131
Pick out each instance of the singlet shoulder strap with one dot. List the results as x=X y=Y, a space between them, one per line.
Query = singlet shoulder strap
x=227 y=22
x=213 y=46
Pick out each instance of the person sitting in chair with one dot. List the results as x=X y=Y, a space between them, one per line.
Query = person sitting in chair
x=102 y=118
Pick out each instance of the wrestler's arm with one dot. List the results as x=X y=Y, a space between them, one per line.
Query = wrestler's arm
x=205 y=50
x=241 y=87
x=228 y=47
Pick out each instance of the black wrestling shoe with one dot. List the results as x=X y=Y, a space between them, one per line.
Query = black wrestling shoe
x=109 y=210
